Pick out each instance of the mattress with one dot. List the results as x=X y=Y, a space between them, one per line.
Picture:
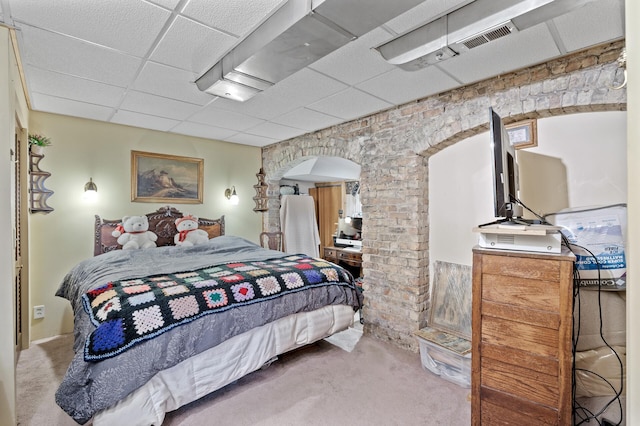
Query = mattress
x=223 y=364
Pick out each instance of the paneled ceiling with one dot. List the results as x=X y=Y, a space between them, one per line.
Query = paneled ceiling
x=134 y=62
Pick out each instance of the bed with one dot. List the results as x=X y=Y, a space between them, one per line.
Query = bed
x=158 y=328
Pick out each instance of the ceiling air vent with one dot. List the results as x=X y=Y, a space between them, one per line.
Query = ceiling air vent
x=491 y=34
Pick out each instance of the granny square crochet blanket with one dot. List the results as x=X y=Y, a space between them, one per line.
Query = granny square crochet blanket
x=131 y=311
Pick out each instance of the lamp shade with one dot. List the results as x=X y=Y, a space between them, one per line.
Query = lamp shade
x=90 y=190
x=232 y=196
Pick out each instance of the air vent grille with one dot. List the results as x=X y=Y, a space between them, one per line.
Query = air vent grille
x=489 y=35
x=475 y=42
x=506 y=239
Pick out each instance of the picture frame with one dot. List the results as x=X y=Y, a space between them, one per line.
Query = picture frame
x=162 y=178
x=523 y=134
x=451 y=296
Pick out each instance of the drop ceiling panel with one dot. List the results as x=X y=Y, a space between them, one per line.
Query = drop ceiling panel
x=603 y=19
x=515 y=51
x=144 y=121
x=72 y=56
x=356 y=62
x=309 y=120
x=225 y=119
x=170 y=82
x=275 y=131
x=302 y=88
x=67 y=87
x=425 y=12
x=399 y=86
x=202 y=131
x=234 y=17
x=253 y=140
x=204 y=48
x=157 y=105
x=127 y=25
x=305 y=87
x=350 y=104
x=46 y=103
x=169 y=4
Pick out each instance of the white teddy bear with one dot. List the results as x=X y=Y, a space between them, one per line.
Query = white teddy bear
x=133 y=233
x=188 y=232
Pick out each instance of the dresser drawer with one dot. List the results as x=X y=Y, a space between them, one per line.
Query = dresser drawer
x=330 y=254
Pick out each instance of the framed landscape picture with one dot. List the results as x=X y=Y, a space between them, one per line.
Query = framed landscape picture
x=160 y=178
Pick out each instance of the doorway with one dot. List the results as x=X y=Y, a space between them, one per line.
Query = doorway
x=19 y=237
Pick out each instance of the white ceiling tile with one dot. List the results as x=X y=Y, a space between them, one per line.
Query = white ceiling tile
x=261 y=106
x=202 y=131
x=170 y=82
x=235 y=17
x=603 y=18
x=399 y=86
x=127 y=25
x=253 y=140
x=65 y=86
x=425 y=12
x=169 y=4
x=515 y=51
x=225 y=119
x=72 y=56
x=356 y=62
x=204 y=48
x=350 y=104
x=144 y=121
x=304 y=87
x=275 y=131
x=309 y=120
x=52 y=104
x=157 y=105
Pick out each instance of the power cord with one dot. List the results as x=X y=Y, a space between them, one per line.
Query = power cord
x=582 y=414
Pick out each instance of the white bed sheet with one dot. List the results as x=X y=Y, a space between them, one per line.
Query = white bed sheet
x=223 y=364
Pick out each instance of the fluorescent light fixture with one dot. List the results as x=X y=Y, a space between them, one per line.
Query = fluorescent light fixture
x=296 y=35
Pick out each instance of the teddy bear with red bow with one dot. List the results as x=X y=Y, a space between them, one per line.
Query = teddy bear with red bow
x=188 y=232
x=133 y=233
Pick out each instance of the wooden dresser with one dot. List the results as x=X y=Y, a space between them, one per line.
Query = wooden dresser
x=343 y=257
x=521 y=338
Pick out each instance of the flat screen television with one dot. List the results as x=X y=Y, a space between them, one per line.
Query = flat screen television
x=505 y=174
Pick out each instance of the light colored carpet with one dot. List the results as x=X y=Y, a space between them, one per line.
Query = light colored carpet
x=375 y=383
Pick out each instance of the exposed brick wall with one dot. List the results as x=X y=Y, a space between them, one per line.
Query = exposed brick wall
x=393 y=148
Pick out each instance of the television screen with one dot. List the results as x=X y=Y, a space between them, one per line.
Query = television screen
x=505 y=171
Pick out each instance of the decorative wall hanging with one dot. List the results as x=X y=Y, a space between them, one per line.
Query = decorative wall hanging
x=523 y=134
x=159 y=178
x=261 y=198
x=38 y=193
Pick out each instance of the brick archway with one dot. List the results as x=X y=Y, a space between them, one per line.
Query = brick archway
x=393 y=148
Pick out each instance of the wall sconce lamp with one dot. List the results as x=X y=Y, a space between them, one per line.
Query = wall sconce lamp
x=231 y=195
x=90 y=190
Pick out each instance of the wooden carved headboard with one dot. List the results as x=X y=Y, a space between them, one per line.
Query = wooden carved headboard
x=161 y=222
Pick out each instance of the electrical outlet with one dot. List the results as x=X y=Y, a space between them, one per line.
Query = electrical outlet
x=38 y=312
